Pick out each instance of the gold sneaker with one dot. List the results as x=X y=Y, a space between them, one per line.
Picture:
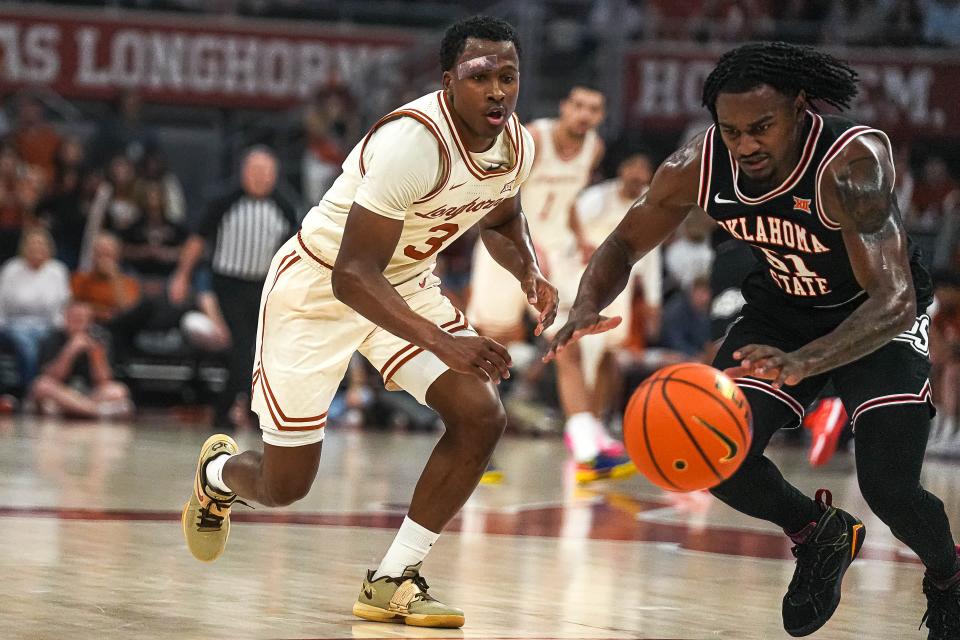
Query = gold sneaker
x=404 y=599
x=206 y=516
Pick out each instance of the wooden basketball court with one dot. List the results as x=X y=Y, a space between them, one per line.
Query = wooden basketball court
x=91 y=547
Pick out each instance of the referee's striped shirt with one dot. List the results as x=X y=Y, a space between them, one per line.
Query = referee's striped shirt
x=246 y=232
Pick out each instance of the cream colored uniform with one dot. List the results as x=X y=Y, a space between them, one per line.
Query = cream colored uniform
x=411 y=166
x=497 y=304
x=600 y=208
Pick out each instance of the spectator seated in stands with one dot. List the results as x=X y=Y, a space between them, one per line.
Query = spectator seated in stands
x=690 y=255
x=35 y=139
x=935 y=195
x=64 y=208
x=152 y=245
x=13 y=214
x=76 y=379
x=105 y=286
x=153 y=168
x=33 y=291
x=686 y=320
x=123 y=132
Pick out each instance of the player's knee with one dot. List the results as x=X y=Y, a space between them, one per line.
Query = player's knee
x=479 y=423
x=491 y=425
x=42 y=387
x=888 y=498
x=290 y=491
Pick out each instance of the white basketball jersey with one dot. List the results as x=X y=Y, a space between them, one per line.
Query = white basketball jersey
x=464 y=194
x=553 y=187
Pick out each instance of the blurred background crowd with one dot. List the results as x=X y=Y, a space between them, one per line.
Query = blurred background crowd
x=115 y=284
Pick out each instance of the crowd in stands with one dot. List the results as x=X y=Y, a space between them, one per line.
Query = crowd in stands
x=93 y=281
x=90 y=233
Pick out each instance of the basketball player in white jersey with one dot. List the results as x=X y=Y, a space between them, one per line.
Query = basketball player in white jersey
x=588 y=381
x=359 y=277
x=568 y=153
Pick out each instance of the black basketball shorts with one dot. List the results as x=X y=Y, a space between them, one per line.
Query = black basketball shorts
x=897 y=373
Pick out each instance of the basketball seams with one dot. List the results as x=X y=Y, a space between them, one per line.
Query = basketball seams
x=643 y=406
x=723 y=404
x=646 y=437
x=683 y=424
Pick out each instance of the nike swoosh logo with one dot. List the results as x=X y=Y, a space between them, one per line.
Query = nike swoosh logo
x=719 y=200
x=368 y=593
x=457 y=186
x=732 y=447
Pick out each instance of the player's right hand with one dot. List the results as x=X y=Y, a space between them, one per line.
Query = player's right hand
x=475 y=355
x=581 y=323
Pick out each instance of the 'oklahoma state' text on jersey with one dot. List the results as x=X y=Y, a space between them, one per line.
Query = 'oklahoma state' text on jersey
x=802 y=258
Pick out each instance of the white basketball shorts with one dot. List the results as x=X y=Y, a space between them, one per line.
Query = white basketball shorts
x=307 y=337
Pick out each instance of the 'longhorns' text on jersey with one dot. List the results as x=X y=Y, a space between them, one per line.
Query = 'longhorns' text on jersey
x=803 y=261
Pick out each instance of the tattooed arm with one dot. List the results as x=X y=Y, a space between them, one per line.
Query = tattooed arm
x=856 y=191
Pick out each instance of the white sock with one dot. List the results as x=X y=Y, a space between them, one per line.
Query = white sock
x=411 y=546
x=581 y=431
x=604 y=439
x=215 y=473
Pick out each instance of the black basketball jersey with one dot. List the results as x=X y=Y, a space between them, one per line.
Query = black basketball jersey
x=802 y=259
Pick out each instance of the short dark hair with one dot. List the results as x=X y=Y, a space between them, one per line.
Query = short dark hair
x=480 y=27
x=585 y=86
x=787 y=68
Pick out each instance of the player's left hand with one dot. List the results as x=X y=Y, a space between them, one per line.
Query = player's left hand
x=542 y=295
x=768 y=363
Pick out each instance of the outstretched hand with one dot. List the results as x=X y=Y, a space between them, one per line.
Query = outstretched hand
x=768 y=363
x=543 y=296
x=580 y=324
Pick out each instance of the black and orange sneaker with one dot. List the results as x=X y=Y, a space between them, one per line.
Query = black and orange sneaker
x=943 y=607
x=824 y=550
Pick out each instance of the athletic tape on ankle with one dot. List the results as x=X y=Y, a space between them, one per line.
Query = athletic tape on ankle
x=474 y=66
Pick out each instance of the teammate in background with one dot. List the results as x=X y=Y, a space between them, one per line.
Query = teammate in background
x=358 y=276
x=568 y=152
x=587 y=373
x=839 y=294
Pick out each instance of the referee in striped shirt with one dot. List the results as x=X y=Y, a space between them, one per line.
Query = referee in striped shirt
x=244 y=228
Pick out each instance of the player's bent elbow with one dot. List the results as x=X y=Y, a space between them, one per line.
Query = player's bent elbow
x=345 y=281
x=905 y=311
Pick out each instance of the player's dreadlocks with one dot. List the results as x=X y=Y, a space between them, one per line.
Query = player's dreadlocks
x=480 y=27
x=785 y=67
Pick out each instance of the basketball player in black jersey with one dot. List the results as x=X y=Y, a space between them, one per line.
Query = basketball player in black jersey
x=839 y=295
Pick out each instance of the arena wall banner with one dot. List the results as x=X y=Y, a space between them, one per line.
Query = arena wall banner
x=190 y=59
x=903 y=91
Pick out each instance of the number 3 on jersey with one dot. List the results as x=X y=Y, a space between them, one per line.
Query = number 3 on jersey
x=444 y=232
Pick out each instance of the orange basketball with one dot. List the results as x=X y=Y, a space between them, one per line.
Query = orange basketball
x=687 y=427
